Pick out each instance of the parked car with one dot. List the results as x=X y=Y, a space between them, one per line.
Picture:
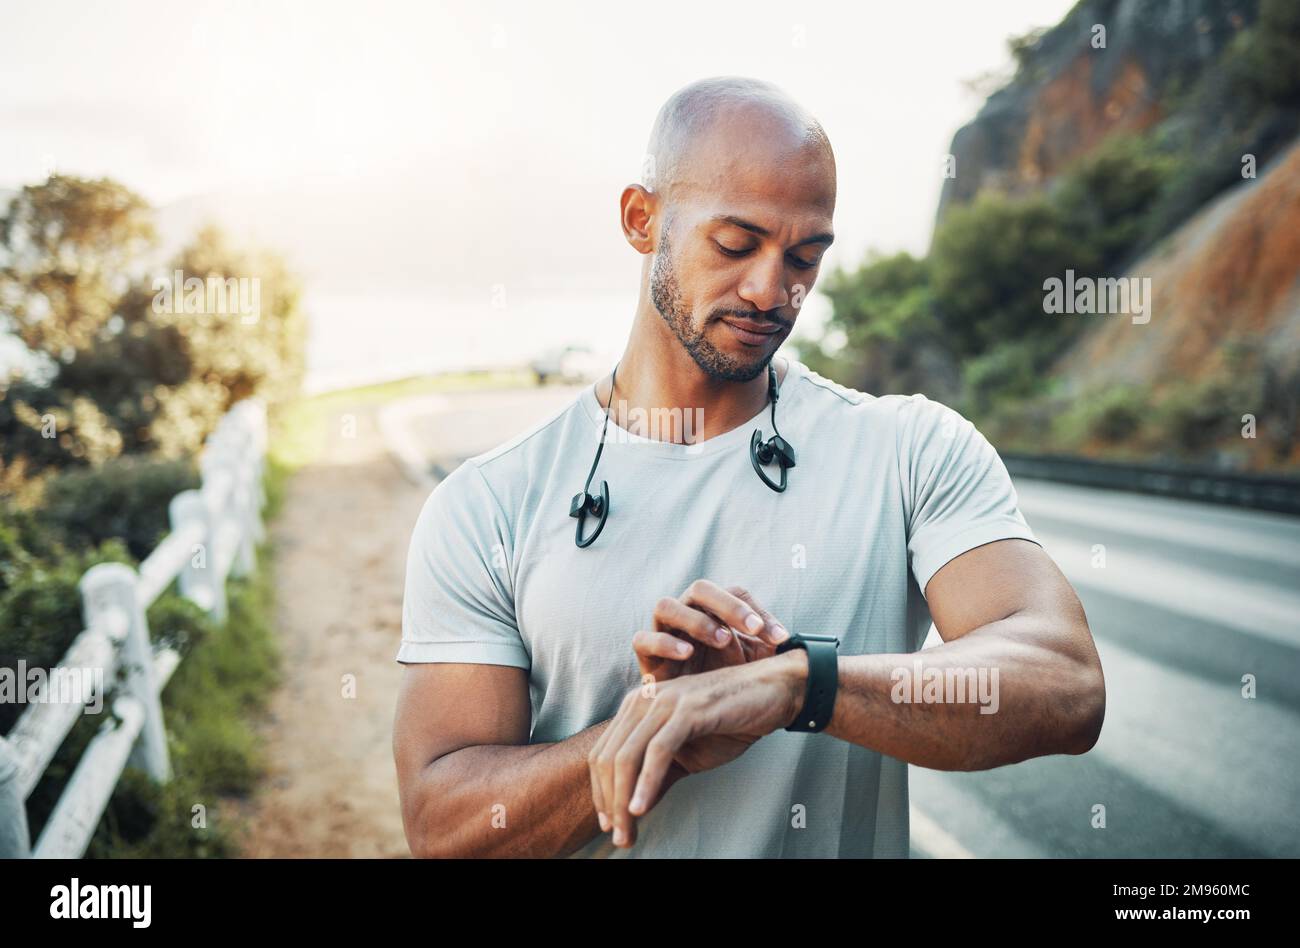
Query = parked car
x=570 y=364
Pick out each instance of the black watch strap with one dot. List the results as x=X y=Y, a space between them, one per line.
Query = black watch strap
x=823 y=680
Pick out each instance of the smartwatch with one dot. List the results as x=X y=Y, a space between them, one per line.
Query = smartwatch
x=823 y=679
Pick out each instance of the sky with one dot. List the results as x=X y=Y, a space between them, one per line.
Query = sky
x=389 y=147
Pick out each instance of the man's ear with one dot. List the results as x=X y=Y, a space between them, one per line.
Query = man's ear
x=639 y=209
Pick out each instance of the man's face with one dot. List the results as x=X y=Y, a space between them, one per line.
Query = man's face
x=733 y=267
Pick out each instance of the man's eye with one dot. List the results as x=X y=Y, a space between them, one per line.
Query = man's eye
x=803 y=264
x=732 y=253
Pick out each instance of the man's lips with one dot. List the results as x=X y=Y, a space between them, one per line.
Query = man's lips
x=750 y=332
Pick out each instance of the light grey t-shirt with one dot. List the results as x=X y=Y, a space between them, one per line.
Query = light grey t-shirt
x=886 y=491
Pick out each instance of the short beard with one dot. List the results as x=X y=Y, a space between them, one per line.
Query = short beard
x=666 y=295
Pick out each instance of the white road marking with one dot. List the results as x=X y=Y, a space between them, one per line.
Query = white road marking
x=934 y=842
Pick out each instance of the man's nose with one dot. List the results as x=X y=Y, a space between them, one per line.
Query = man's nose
x=764 y=285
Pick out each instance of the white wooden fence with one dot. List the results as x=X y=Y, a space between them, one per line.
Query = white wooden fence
x=214 y=533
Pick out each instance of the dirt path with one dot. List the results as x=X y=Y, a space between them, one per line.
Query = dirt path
x=340 y=544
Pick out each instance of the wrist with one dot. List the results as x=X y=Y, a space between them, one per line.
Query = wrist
x=792 y=674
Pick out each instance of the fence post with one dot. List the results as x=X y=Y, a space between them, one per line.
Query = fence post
x=257 y=422
x=15 y=839
x=199 y=580
x=106 y=588
x=246 y=555
x=220 y=472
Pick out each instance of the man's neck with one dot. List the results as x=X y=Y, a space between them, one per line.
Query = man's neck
x=663 y=385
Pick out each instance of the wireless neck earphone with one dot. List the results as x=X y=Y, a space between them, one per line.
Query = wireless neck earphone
x=761 y=452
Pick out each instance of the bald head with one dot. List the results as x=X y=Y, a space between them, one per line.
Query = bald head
x=710 y=124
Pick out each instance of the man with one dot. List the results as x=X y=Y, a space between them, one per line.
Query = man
x=626 y=697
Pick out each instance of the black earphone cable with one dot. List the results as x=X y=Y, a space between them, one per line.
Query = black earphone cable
x=613 y=380
x=760 y=453
x=775 y=394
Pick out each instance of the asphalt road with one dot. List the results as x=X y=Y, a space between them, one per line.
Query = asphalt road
x=1184 y=599
x=1191 y=598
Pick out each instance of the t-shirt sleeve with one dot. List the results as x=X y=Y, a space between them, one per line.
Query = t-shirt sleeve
x=458 y=603
x=958 y=492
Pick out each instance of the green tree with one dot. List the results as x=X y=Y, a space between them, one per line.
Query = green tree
x=1106 y=198
x=126 y=368
x=988 y=263
x=68 y=247
x=885 y=312
x=1266 y=58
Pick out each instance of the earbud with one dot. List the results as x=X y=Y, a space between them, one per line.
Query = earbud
x=584 y=503
x=774 y=448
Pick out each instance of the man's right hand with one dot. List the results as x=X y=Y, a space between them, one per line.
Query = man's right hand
x=704 y=628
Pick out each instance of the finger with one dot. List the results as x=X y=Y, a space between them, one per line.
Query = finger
x=629 y=715
x=664 y=645
x=744 y=647
x=598 y=797
x=674 y=614
x=627 y=768
x=773 y=632
x=751 y=648
x=611 y=740
x=727 y=606
x=657 y=759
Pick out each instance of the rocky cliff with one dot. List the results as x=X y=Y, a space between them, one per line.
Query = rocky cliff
x=1068 y=95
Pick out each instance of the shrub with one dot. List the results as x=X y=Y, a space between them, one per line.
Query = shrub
x=1263 y=59
x=1190 y=418
x=1118 y=415
x=146 y=820
x=40 y=612
x=175 y=622
x=1110 y=415
x=1009 y=371
x=227 y=674
x=125 y=498
x=23 y=541
x=1107 y=196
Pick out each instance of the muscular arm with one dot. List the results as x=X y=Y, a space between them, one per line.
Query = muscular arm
x=460 y=741
x=1004 y=606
